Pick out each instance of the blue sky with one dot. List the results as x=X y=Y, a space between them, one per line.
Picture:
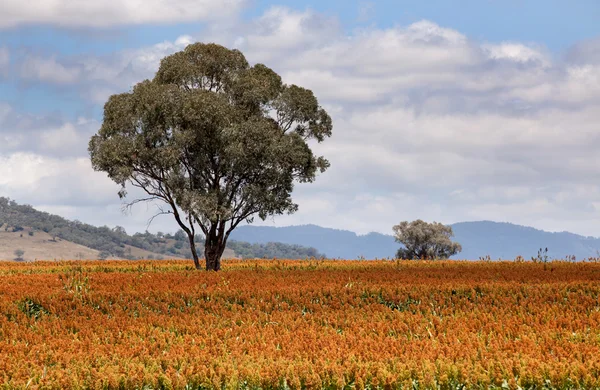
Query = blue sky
x=443 y=110
x=554 y=23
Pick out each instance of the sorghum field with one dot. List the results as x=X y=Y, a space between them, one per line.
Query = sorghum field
x=300 y=324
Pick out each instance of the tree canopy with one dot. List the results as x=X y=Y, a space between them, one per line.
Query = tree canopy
x=425 y=241
x=217 y=140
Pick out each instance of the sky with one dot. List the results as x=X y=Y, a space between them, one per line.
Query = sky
x=443 y=110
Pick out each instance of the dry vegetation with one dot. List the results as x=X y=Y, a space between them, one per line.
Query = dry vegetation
x=41 y=246
x=300 y=324
x=44 y=246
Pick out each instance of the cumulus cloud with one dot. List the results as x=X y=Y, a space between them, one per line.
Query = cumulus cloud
x=428 y=123
x=43 y=135
x=516 y=52
x=586 y=52
x=48 y=70
x=418 y=62
x=69 y=187
x=80 y=13
x=283 y=32
x=38 y=179
x=97 y=77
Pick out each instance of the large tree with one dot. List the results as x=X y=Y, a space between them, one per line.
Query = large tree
x=215 y=139
x=425 y=241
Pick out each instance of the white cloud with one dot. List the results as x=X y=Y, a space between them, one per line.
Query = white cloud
x=281 y=29
x=82 y=13
x=61 y=139
x=373 y=65
x=48 y=70
x=38 y=179
x=45 y=136
x=516 y=52
x=422 y=46
x=585 y=52
x=70 y=188
x=121 y=71
x=98 y=77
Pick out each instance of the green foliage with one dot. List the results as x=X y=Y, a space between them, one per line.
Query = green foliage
x=217 y=140
x=426 y=241
x=273 y=250
x=32 y=308
x=542 y=256
x=76 y=282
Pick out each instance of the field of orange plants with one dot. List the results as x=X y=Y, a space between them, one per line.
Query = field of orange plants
x=300 y=324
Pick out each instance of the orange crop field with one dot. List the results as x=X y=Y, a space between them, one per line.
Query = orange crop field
x=300 y=324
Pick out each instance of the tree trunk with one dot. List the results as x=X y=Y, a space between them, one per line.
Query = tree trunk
x=214 y=246
x=213 y=254
x=194 y=251
x=213 y=263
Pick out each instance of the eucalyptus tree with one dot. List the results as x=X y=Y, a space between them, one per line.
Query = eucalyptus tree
x=425 y=241
x=216 y=140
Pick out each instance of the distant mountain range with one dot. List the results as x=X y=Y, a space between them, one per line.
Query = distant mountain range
x=478 y=239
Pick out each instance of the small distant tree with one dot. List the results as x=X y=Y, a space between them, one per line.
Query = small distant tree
x=120 y=230
x=19 y=253
x=425 y=241
x=180 y=235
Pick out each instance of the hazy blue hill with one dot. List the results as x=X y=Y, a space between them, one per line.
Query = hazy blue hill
x=334 y=243
x=506 y=241
x=496 y=239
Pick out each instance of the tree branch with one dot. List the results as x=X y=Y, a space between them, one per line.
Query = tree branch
x=161 y=212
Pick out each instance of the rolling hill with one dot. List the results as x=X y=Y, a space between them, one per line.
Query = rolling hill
x=43 y=246
x=478 y=239
x=46 y=236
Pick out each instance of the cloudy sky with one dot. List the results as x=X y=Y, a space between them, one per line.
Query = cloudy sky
x=445 y=110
